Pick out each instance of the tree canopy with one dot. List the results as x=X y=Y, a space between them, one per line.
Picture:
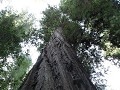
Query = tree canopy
x=15 y=28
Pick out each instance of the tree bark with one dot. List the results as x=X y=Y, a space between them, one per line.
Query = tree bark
x=57 y=68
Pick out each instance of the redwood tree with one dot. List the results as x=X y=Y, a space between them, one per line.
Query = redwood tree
x=82 y=24
x=57 y=68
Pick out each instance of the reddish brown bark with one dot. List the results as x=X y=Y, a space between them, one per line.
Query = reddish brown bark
x=57 y=68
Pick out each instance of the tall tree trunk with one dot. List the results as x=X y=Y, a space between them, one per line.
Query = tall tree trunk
x=57 y=68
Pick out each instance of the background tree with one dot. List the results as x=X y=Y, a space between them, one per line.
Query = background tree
x=15 y=29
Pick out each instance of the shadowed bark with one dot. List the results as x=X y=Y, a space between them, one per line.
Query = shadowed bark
x=57 y=68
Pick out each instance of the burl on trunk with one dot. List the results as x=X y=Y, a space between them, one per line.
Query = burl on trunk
x=57 y=68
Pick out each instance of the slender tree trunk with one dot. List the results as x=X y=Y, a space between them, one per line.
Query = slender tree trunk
x=57 y=68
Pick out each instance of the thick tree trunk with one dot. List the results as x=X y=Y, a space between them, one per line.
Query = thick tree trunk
x=57 y=68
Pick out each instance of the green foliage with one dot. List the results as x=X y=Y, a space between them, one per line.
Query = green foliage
x=53 y=18
x=8 y=39
x=15 y=28
x=76 y=9
x=50 y=22
x=18 y=73
x=96 y=16
x=13 y=73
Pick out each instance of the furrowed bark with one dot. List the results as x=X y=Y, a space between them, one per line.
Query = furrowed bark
x=57 y=68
